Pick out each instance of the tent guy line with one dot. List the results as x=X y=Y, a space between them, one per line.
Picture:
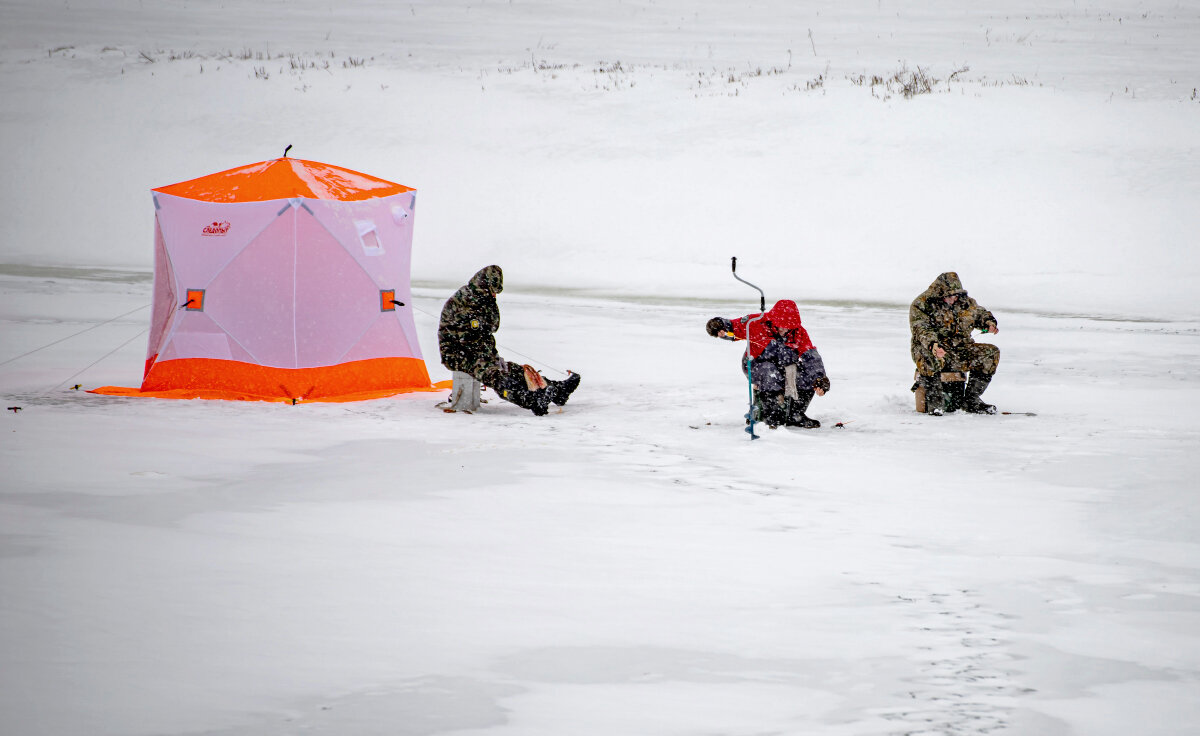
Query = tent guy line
x=77 y=334
x=95 y=362
x=436 y=318
x=182 y=306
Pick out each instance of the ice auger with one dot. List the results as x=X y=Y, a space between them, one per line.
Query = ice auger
x=762 y=311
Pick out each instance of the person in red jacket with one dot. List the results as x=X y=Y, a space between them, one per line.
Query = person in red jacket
x=785 y=367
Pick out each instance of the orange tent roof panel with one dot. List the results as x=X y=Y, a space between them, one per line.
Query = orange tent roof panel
x=284 y=178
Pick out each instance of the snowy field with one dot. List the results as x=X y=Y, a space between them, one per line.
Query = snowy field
x=634 y=564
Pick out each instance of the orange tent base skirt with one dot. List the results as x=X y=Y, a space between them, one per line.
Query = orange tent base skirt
x=204 y=378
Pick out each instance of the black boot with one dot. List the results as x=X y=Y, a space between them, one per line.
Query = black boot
x=935 y=402
x=954 y=392
x=537 y=402
x=976 y=385
x=560 y=391
x=774 y=413
x=796 y=408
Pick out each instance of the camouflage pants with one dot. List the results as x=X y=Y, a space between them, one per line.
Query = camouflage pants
x=500 y=374
x=979 y=357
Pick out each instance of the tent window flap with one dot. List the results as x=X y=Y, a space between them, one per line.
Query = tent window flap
x=369 y=238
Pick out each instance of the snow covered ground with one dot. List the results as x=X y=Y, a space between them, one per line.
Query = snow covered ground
x=633 y=565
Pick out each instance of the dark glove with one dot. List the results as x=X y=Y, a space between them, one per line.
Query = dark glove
x=822 y=383
x=717 y=325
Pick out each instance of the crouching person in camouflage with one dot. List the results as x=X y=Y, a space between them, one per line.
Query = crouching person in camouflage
x=942 y=319
x=468 y=348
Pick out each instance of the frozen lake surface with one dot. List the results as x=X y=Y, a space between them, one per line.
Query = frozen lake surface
x=633 y=564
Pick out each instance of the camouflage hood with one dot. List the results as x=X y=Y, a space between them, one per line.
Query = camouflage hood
x=489 y=280
x=945 y=285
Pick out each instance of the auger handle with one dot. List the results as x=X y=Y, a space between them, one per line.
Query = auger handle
x=762 y=298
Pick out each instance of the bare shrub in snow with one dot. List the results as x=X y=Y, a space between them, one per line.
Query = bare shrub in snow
x=912 y=83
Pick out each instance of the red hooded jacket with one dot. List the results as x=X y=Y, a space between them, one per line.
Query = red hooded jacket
x=783 y=317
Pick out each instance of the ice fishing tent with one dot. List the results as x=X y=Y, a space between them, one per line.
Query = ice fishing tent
x=282 y=280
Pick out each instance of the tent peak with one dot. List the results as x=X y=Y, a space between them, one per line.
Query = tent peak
x=285 y=178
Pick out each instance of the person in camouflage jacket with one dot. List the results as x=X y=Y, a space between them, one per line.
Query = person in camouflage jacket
x=469 y=320
x=467 y=346
x=942 y=319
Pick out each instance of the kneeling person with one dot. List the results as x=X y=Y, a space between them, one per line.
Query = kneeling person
x=942 y=319
x=785 y=367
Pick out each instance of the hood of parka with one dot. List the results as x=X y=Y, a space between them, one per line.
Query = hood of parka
x=489 y=279
x=945 y=285
x=785 y=315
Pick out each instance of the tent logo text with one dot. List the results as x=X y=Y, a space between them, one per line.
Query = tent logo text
x=216 y=228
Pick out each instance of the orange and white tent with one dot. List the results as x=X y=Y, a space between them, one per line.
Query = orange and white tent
x=282 y=280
